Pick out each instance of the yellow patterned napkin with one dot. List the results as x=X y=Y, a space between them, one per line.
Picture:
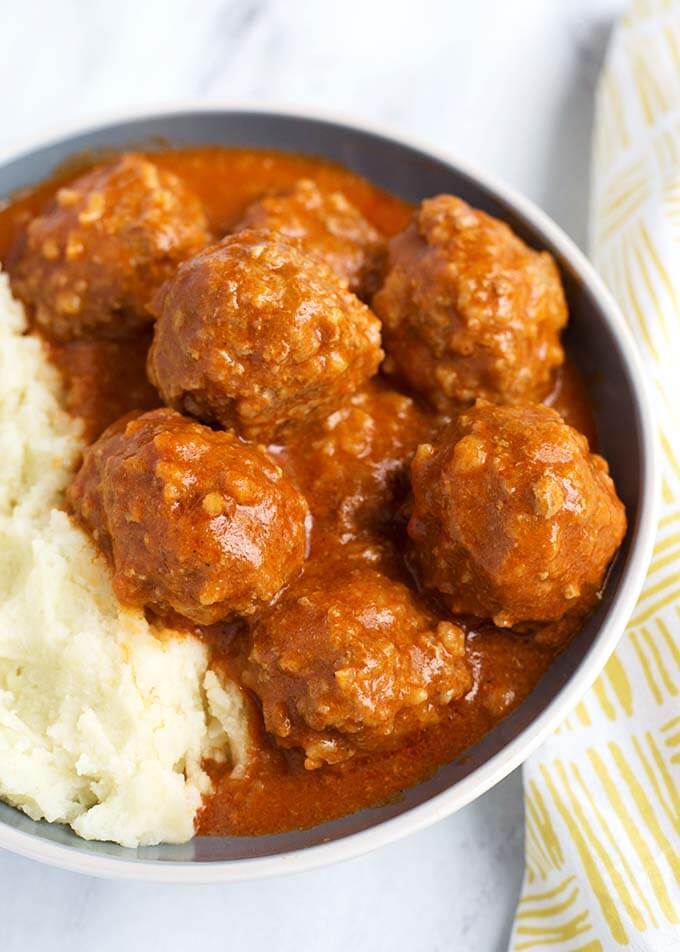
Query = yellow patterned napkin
x=602 y=796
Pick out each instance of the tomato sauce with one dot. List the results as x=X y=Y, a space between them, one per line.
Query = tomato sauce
x=105 y=379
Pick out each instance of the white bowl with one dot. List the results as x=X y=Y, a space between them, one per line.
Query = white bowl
x=602 y=345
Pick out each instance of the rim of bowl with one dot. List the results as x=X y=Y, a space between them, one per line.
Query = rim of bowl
x=494 y=770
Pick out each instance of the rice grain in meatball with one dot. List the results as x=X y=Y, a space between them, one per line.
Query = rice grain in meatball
x=349 y=660
x=327 y=224
x=469 y=310
x=193 y=521
x=514 y=519
x=90 y=263
x=258 y=336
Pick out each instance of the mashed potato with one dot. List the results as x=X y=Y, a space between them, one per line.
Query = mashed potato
x=104 y=722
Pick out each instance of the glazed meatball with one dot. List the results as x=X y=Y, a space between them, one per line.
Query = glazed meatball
x=514 y=519
x=353 y=467
x=468 y=310
x=328 y=225
x=89 y=265
x=193 y=521
x=349 y=660
x=258 y=336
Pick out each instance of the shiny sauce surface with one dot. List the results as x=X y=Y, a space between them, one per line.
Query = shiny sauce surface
x=105 y=379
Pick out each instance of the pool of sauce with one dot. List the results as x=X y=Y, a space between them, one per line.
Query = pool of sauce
x=104 y=379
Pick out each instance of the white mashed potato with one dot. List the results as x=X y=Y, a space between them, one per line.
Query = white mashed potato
x=104 y=724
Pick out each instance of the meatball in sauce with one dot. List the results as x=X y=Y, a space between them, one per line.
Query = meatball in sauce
x=514 y=519
x=194 y=521
x=469 y=310
x=91 y=262
x=327 y=225
x=388 y=566
x=350 y=661
x=256 y=335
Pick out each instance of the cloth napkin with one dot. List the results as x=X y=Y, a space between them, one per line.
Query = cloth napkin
x=602 y=796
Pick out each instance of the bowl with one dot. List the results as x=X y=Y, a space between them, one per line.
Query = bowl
x=602 y=345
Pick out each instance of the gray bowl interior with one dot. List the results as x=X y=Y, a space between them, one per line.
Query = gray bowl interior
x=413 y=175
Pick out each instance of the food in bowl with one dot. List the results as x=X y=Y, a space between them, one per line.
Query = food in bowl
x=300 y=495
x=289 y=344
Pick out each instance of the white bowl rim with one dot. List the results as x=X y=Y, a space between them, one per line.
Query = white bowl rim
x=518 y=750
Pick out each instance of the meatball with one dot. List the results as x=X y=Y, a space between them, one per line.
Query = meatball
x=469 y=310
x=514 y=519
x=193 y=521
x=89 y=265
x=328 y=225
x=349 y=660
x=353 y=467
x=257 y=336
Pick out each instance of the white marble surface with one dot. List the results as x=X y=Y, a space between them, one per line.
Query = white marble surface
x=507 y=85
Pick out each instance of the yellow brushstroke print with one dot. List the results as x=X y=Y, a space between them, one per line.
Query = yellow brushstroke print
x=671 y=37
x=652 y=590
x=617 y=112
x=576 y=926
x=670 y=454
x=661 y=563
x=646 y=668
x=667 y=492
x=545 y=912
x=546 y=828
x=582 y=714
x=669 y=518
x=548 y=894
x=616 y=674
x=674 y=722
x=673 y=648
x=634 y=175
x=616 y=848
x=653 y=98
x=534 y=846
x=663 y=544
x=661 y=667
x=669 y=783
x=651 y=610
x=600 y=692
x=600 y=850
x=646 y=810
x=637 y=309
x=623 y=213
x=654 y=306
x=672 y=809
x=609 y=781
x=592 y=872
x=637 y=842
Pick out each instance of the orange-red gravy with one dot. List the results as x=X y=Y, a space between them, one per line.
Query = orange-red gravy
x=103 y=380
